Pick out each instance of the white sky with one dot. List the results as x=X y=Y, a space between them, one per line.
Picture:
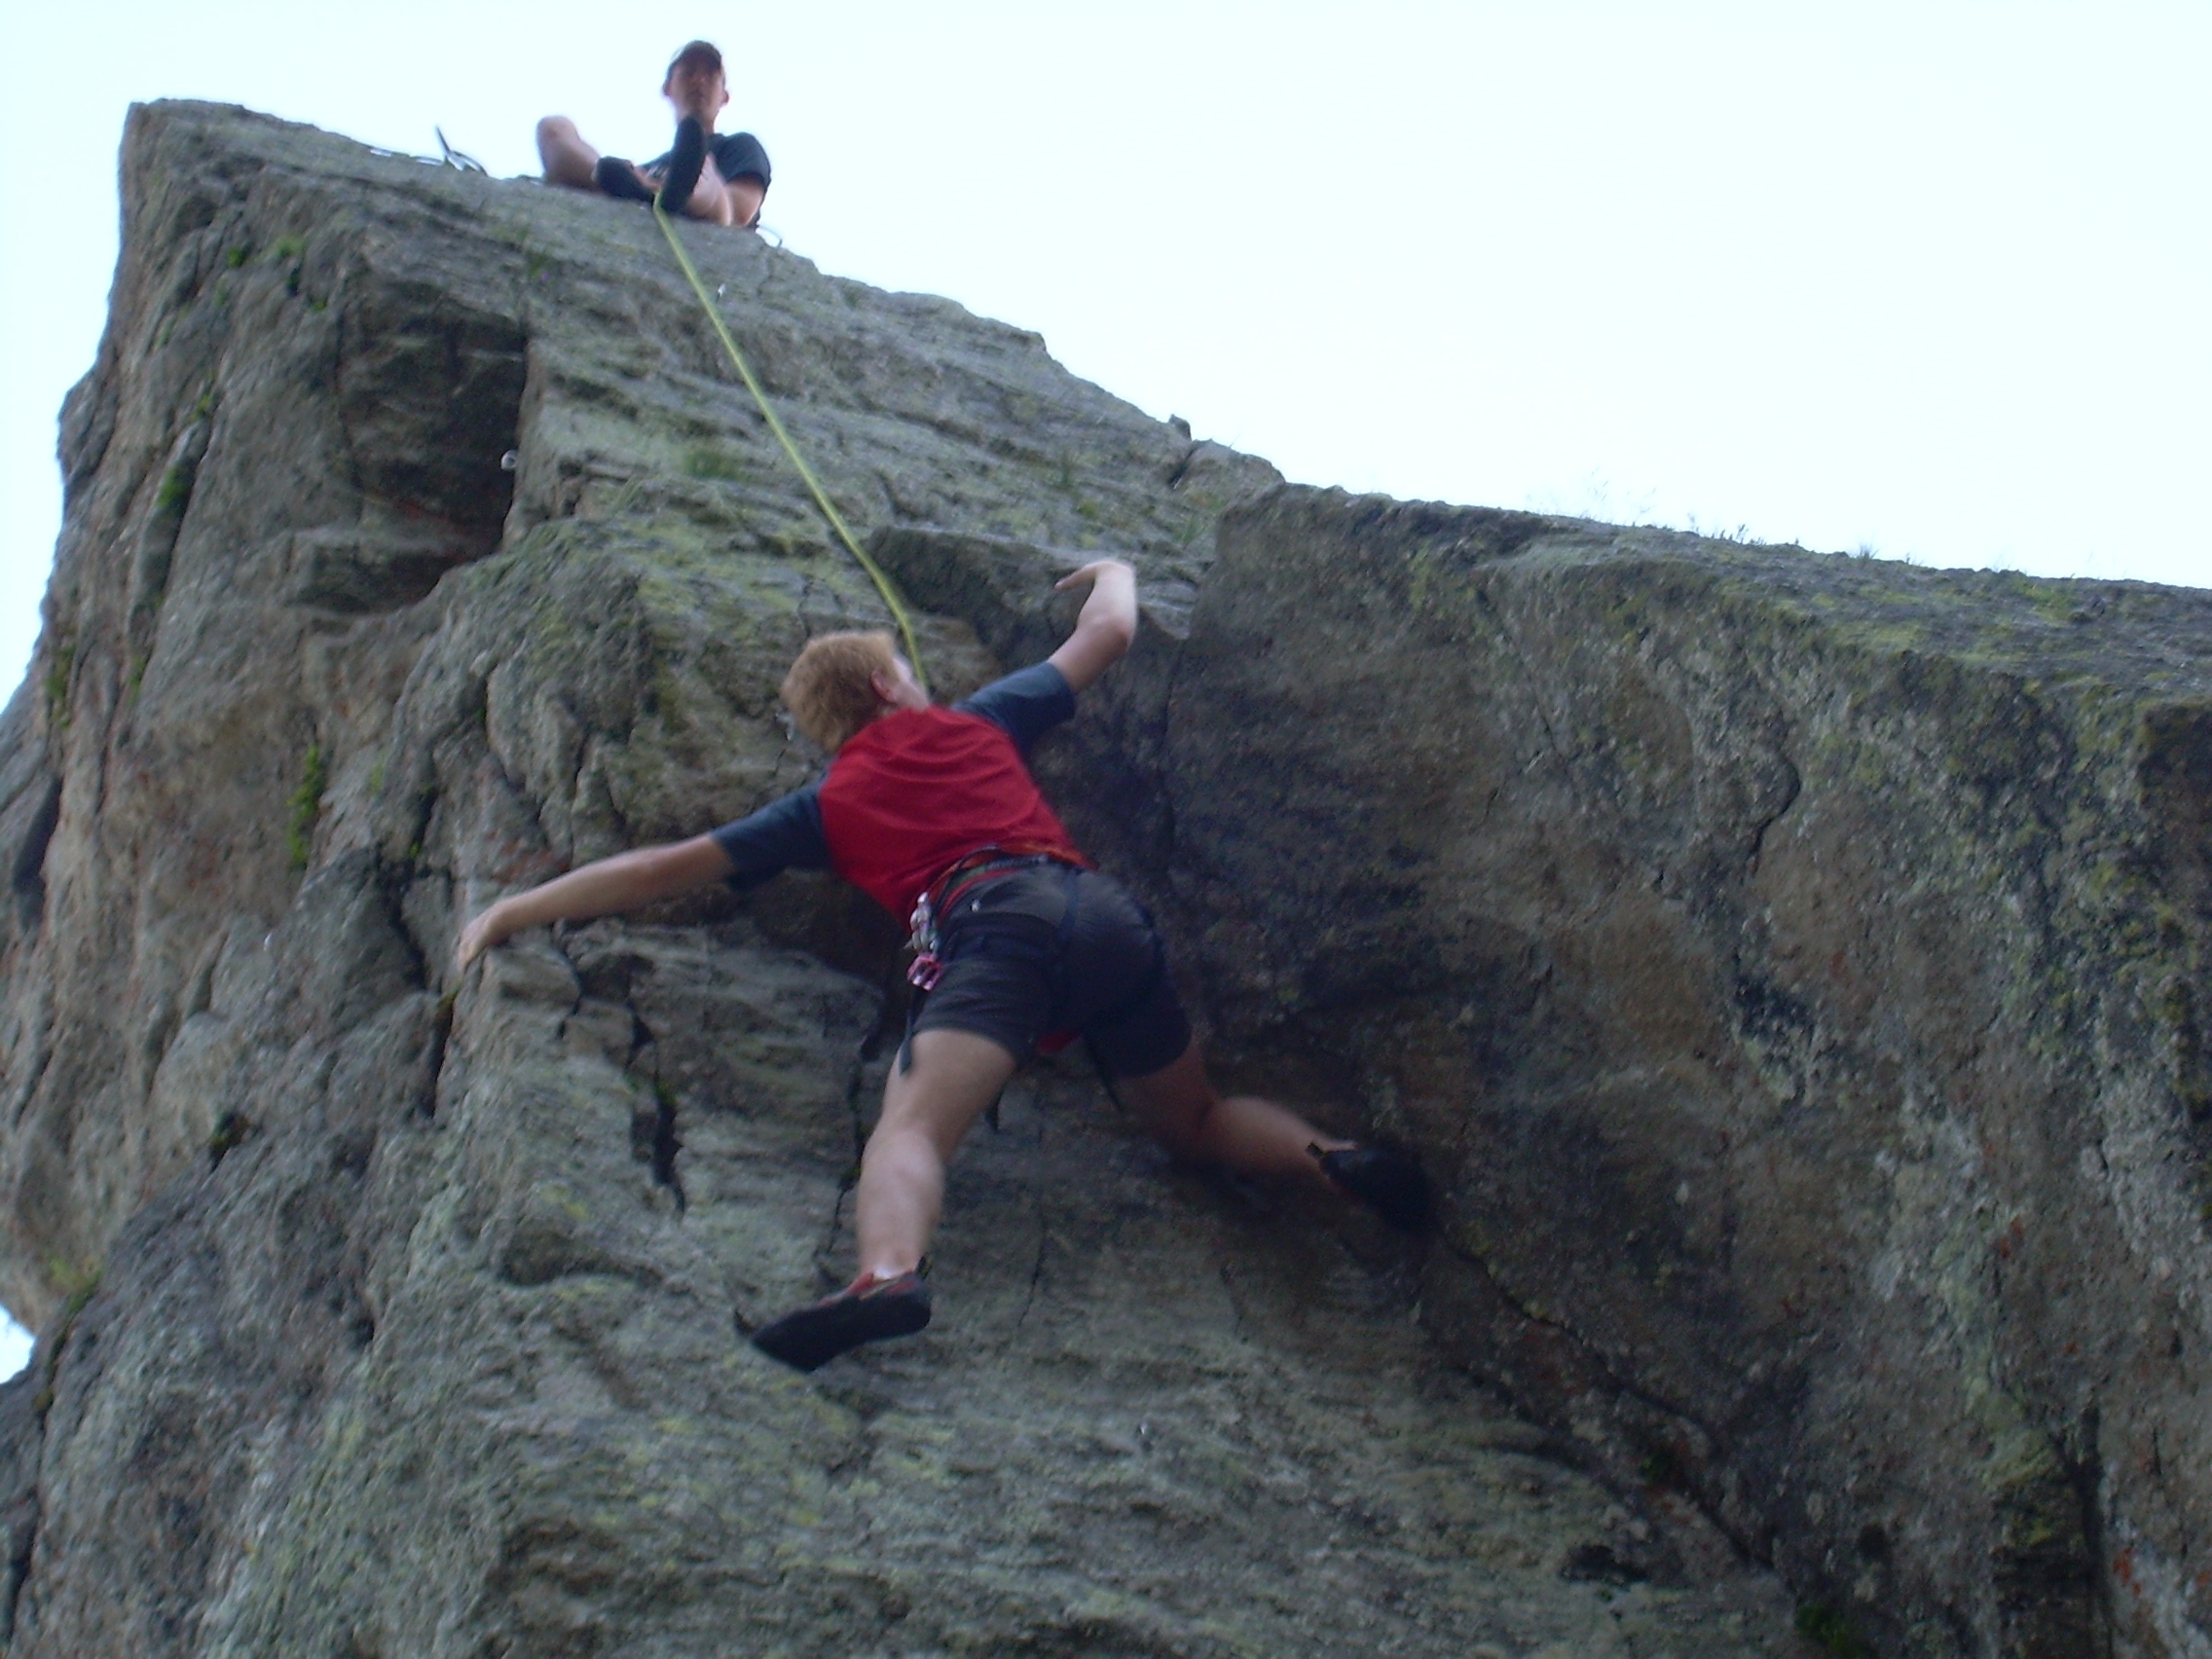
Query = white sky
x=1930 y=277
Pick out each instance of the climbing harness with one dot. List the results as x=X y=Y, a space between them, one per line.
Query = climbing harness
x=933 y=912
x=923 y=936
x=927 y=940
x=883 y=583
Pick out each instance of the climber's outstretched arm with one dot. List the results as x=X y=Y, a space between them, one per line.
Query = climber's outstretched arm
x=1107 y=625
x=622 y=883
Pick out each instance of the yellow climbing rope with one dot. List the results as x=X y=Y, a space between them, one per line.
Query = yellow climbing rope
x=883 y=583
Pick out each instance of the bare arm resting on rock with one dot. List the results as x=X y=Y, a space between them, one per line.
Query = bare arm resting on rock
x=622 y=883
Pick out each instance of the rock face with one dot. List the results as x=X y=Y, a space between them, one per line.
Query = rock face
x=1793 y=968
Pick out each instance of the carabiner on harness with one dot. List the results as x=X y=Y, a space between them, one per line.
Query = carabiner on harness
x=927 y=968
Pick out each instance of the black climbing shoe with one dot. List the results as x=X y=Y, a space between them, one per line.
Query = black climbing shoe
x=617 y=177
x=685 y=161
x=1386 y=1182
x=813 y=1335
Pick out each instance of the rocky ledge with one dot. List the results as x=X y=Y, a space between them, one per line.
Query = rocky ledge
x=1794 y=967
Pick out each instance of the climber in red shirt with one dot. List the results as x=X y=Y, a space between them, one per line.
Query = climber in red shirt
x=1019 y=942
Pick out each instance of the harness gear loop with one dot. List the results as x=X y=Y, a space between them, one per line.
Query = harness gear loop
x=883 y=583
x=936 y=904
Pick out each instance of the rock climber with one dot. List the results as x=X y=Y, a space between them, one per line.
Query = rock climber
x=1020 y=943
x=722 y=178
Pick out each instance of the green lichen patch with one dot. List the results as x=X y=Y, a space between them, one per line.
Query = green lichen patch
x=289 y=252
x=706 y=462
x=306 y=806
x=79 y=1282
x=175 y=492
x=1820 y=1623
x=56 y=684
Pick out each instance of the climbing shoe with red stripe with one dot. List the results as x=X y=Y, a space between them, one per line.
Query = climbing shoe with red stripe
x=1386 y=1182
x=866 y=1311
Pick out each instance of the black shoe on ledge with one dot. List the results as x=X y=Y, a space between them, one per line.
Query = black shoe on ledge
x=617 y=177
x=811 y=1337
x=1386 y=1182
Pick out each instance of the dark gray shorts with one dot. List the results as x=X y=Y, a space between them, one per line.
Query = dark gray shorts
x=1009 y=977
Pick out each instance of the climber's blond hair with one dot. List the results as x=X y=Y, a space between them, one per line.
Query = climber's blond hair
x=828 y=690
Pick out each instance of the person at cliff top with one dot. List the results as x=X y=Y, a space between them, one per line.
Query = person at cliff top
x=718 y=176
x=932 y=813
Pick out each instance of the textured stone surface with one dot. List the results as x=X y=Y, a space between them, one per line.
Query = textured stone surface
x=1792 y=967
x=1800 y=962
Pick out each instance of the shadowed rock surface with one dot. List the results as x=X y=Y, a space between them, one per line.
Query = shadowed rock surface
x=1793 y=968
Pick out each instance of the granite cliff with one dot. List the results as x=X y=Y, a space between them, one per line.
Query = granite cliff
x=1793 y=968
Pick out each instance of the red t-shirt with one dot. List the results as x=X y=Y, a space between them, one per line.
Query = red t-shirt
x=912 y=792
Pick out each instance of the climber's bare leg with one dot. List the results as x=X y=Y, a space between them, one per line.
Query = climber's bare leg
x=566 y=158
x=734 y=203
x=742 y=198
x=928 y=1110
x=1180 y=1106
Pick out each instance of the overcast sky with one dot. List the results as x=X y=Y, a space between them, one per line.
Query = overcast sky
x=1929 y=278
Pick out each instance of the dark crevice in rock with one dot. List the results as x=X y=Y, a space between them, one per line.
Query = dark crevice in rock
x=2053 y=1595
x=1602 y=1564
x=149 y=577
x=1662 y=1464
x=391 y=883
x=21 y=1521
x=430 y=399
x=232 y=1129
x=432 y=1073
x=1793 y=786
x=22 y=1445
x=654 y=1141
x=1181 y=468
x=42 y=1060
x=27 y=877
x=666 y=1144
x=1036 y=1273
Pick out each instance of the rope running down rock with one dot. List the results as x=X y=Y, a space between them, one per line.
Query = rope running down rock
x=883 y=583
